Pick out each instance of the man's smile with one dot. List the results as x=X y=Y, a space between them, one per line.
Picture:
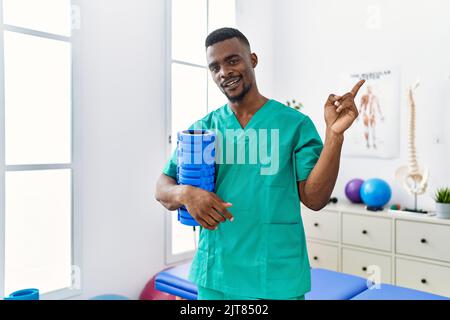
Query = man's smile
x=231 y=84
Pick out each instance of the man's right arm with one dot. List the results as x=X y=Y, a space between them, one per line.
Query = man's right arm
x=205 y=207
x=169 y=193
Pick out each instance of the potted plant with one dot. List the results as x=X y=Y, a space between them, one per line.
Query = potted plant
x=442 y=199
x=294 y=104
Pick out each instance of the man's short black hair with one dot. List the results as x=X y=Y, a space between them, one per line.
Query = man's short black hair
x=223 y=34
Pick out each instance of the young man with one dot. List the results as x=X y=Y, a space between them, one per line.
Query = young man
x=252 y=243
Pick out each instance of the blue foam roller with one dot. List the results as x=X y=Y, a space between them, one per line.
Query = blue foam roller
x=191 y=147
x=198 y=175
x=196 y=165
x=193 y=166
x=185 y=218
x=196 y=181
x=199 y=159
x=196 y=136
x=24 y=294
x=196 y=149
x=190 y=173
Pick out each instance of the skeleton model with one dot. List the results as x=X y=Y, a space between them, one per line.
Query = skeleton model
x=413 y=178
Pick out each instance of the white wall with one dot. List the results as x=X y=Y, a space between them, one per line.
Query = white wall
x=254 y=18
x=119 y=105
x=315 y=41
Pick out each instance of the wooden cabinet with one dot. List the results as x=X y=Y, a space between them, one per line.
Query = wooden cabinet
x=323 y=256
x=407 y=249
x=425 y=240
x=365 y=264
x=368 y=232
x=322 y=225
x=423 y=276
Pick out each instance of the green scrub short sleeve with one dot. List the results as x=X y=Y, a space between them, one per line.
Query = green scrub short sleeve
x=171 y=166
x=307 y=150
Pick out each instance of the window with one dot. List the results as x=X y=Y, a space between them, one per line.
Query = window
x=36 y=166
x=192 y=92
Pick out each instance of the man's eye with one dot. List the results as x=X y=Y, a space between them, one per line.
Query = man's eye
x=233 y=61
x=215 y=69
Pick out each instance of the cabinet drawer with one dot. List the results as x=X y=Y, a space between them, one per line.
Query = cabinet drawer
x=369 y=232
x=323 y=256
x=322 y=225
x=366 y=265
x=423 y=240
x=423 y=276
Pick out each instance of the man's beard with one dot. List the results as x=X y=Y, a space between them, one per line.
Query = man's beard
x=241 y=96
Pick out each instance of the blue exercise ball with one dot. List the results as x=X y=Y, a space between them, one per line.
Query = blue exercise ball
x=375 y=193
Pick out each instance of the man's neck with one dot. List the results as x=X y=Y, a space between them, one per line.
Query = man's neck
x=251 y=103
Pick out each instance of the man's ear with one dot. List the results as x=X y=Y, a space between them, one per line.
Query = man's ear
x=254 y=59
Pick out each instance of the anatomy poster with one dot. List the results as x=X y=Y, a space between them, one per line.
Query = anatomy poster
x=375 y=133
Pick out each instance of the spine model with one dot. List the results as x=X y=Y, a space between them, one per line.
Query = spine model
x=412 y=177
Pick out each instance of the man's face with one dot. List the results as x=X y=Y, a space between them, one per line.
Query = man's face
x=232 y=67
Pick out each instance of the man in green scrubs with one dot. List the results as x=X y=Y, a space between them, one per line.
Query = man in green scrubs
x=252 y=242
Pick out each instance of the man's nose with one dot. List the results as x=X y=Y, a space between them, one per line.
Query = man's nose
x=225 y=72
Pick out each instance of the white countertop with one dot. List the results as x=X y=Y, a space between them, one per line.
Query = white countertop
x=348 y=207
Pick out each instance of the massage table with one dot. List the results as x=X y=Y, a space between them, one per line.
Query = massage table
x=325 y=285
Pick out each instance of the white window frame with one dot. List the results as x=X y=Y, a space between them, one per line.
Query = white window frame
x=62 y=293
x=171 y=258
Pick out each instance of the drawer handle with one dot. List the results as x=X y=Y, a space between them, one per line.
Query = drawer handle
x=316 y=258
x=423 y=281
x=364 y=269
x=316 y=224
x=364 y=232
x=423 y=240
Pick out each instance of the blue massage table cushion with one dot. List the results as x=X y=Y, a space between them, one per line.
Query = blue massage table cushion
x=332 y=285
x=390 y=292
x=325 y=285
x=175 y=281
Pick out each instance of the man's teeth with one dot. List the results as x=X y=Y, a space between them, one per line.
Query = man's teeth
x=232 y=83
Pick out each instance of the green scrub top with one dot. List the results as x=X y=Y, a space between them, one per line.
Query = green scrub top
x=263 y=252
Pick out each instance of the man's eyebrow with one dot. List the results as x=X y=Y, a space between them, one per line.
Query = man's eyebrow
x=231 y=57
x=212 y=64
x=228 y=58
